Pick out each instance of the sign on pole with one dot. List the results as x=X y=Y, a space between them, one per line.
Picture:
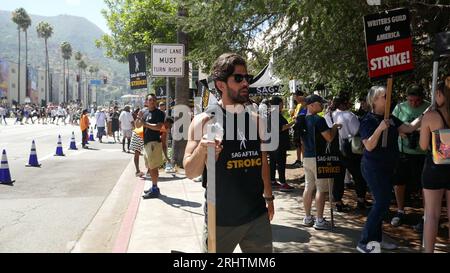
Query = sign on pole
x=388 y=42
x=138 y=70
x=389 y=49
x=168 y=60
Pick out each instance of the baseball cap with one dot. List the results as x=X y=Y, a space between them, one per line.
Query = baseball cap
x=314 y=98
x=415 y=90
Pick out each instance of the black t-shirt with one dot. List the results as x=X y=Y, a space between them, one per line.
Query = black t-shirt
x=380 y=155
x=154 y=117
x=239 y=184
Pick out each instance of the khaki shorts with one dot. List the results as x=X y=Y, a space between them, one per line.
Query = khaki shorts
x=311 y=181
x=153 y=155
x=253 y=237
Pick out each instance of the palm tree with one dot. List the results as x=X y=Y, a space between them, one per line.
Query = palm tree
x=23 y=21
x=66 y=50
x=82 y=65
x=45 y=31
x=26 y=24
x=78 y=57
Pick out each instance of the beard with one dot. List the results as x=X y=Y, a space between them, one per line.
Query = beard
x=241 y=96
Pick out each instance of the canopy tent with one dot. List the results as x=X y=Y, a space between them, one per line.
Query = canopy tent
x=266 y=83
x=129 y=96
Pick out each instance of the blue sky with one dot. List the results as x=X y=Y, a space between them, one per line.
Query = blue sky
x=89 y=9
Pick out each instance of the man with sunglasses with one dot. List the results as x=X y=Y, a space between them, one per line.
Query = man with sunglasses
x=152 y=120
x=244 y=200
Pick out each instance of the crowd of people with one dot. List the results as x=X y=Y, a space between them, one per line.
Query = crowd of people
x=69 y=113
x=401 y=168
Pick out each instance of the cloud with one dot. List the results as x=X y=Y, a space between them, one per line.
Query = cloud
x=73 y=2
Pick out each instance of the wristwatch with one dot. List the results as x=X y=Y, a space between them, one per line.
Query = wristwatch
x=269 y=198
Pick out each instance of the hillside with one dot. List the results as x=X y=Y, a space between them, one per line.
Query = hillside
x=78 y=31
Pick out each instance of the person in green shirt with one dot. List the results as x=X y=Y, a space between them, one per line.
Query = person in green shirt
x=412 y=158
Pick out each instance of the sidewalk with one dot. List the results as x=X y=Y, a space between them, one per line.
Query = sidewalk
x=174 y=222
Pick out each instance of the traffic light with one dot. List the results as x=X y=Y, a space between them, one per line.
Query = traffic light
x=78 y=78
x=105 y=79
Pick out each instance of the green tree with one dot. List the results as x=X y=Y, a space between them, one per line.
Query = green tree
x=82 y=66
x=317 y=41
x=66 y=51
x=21 y=18
x=78 y=56
x=45 y=31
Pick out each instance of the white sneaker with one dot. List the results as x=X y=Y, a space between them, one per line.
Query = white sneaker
x=322 y=225
x=308 y=221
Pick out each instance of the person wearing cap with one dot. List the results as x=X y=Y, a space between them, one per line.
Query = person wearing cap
x=378 y=164
x=317 y=134
x=412 y=158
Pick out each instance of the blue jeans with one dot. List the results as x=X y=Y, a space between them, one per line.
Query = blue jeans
x=379 y=179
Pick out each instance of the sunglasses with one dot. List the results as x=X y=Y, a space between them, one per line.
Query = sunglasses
x=240 y=77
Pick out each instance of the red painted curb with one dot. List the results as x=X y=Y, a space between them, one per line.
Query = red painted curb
x=124 y=235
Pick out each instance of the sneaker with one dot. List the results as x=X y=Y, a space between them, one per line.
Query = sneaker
x=322 y=225
x=397 y=219
x=285 y=187
x=139 y=174
x=388 y=246
x=275 y=184
x=153 y=192
x=308 y=221
x=364 y=249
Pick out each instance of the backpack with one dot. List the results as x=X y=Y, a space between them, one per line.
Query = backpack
x=440 y=144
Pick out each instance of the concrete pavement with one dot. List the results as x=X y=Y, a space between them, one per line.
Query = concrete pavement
x=174 y=222
x=48 y=208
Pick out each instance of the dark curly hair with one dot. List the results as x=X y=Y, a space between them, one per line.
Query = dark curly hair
x=224 y=66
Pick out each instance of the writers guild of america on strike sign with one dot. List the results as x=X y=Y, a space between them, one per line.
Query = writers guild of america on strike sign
x=388 y=42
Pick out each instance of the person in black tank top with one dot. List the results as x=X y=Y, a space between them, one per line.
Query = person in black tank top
x=244 y=200
x=435 y=178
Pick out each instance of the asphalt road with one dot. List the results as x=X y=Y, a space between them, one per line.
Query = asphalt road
x=48 y=208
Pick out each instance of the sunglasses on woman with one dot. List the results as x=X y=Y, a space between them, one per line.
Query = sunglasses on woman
x=240 y=77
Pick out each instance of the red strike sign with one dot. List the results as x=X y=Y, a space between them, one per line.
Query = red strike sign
x=388 y=42
x=390 y=57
